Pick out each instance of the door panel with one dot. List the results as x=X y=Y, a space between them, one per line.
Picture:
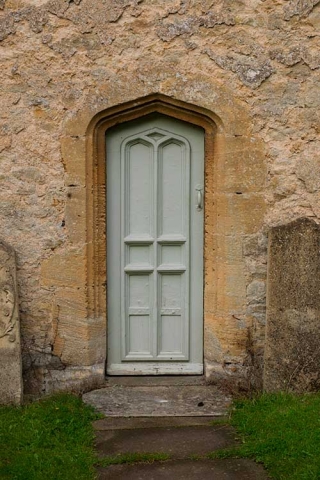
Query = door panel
x=154 y=258
x=173 y=181
x=137 y=189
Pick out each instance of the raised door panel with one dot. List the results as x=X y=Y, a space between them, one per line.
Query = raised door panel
x=172 y=188
x=137 y=228
x=137 y=188
x=173 y=241
x=138 y=327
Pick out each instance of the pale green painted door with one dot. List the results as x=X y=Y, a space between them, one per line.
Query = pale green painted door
x=155 y=175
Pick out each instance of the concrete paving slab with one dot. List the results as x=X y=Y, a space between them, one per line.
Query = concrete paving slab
x=127 y=423
x=226 y=469
x=177 y=442
x=178 y=400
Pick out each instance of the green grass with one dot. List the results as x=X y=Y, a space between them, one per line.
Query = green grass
x=282 y=431
x=49 y=439
x=131 y=458
x=53 y=439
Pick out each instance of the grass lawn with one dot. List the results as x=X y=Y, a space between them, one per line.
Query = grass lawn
x=51 y=439
x=282 y=431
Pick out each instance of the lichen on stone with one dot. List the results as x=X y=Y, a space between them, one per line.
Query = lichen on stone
x=294 y=55
x=191 y=24
x=301 y=8
x=218 y=17
x=252 y=71
x=38 y=19
x=168 y=31
x=7 y=26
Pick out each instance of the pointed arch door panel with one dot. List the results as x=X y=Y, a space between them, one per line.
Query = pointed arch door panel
x=154 y=247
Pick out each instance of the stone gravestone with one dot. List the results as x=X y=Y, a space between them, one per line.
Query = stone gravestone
x=10 y=349
x=292 y=349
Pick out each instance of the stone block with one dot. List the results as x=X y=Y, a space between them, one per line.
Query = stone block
x=239 y=213
x=292 y=350
x=75 y=214
x=64 y=270
x=76 y=126
x=241 y=167
x=73 y=153
x=230 y=287
x=230 y=334
x=256 y=292
x=77 y=338
x=228 y=249
x=308 y=169
x=10 y=348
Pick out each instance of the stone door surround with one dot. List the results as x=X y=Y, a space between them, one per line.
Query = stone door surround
x=234 y=208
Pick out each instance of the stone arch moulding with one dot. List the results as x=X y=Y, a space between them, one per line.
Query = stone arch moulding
x=235 y=173
x=96 y=181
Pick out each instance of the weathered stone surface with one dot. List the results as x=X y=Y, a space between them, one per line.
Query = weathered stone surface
x=10 y=348
x=120 y=401
x=299 y=7
x=172 y=440
x=229 y=469
x=296 y=54
x=129 y=423
x=251 y=71
x=255 y=68
x=156 y=381
x=167 y=31
x=308 y=169
x=292 y=352
x=196 y=437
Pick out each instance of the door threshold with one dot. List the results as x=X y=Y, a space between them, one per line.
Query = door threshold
x=149 y=381
x=155 y=368
x=159 y=400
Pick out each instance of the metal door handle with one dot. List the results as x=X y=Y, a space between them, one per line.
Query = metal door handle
x=199 y=197
x=199 y=200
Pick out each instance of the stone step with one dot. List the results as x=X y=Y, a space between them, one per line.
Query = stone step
x=128 y=423
x=226 y=469
x=158 y=381
x=161 y=401
x=181 y=442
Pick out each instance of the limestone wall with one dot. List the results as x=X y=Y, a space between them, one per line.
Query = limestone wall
x=253 y=64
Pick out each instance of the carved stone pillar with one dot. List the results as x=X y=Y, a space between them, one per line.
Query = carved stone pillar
x=10 y=348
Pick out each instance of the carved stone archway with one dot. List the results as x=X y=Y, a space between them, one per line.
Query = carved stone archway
x=96 y=176
x=234 y=211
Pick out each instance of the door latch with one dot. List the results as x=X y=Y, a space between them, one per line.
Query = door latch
x=199 y=190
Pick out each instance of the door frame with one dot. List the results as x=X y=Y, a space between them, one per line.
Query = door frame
x=181 y=135
x=96 y=188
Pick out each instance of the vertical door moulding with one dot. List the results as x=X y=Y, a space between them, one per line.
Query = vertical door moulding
x=137 y=168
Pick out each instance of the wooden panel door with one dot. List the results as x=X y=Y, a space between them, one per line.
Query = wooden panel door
x=155 y=170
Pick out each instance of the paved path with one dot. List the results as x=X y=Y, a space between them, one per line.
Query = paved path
x=183 y=438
